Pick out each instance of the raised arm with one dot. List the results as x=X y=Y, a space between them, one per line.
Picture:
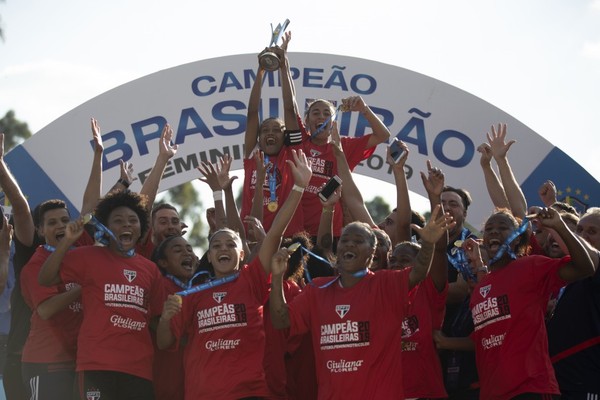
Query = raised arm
x=166 y=151
x=280 y=317
x=6 y=231
x=492 y=182
x=403 y=210
x=209 y=172
x=499 y=147
x=301 y=171
x=94 y=186
x=252 y=115
x=438 y=224
x=257 y=209
x=24 y=229
x=581 y=265
x=380 y=132
x=288 y=91
x=434 y=184
x=351 y=195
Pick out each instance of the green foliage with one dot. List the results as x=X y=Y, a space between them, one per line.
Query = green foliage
x=15 y=131
x=378 y=208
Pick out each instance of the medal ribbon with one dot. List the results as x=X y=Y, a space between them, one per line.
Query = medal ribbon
x=505 y=248
x=210 y=284
x=272 y=180
x=187 y=285
x=324 y=124
x=101 y=230
x=459 y=261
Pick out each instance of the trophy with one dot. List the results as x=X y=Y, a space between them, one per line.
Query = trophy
x=267 y=59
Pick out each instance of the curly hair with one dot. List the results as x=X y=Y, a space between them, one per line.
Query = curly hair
x=131 y=200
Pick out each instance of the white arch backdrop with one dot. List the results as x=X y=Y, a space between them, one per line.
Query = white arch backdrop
x=205 y=102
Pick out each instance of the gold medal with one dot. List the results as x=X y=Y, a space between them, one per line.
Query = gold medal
x=272 y=206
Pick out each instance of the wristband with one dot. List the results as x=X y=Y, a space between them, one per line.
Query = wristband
x=298 y=188
x=124 y=182
x=218 y=195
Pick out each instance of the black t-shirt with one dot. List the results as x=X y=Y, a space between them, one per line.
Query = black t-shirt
x=20 y=314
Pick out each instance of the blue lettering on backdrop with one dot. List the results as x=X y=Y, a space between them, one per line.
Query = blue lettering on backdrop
x=141 y=139
x=208 y=89
x=438 y=148
x=233 y=116
x=183 y=129
x=220 y=115
x=126 y=152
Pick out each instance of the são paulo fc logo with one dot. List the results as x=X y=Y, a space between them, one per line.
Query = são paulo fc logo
x=219 y=296
x=130 y=275
x=92 y=394
x=484 y=290
x=314 y=152
x=342 y=310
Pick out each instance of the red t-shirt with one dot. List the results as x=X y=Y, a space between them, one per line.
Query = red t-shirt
x=168 y=371
x=356 y=334
x=511 y=346
x=53 y=340
x=284 y=183
x=224 y=353
x=423 y=372
x=324 y=166
x=121 y=294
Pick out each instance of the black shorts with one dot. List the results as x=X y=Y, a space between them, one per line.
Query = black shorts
x=112 y=385
x=48 y=381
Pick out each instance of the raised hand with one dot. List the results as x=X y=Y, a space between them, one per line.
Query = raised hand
x=255 y=228
x=98 y=146
x=210 y=172
x=300 y=168
x=172 y=307
x=486 y=154
x=223 y=172
x=547 y=193
x=165 y=146
x=497 y=141
x=279 y=261
x=437 y=225
x=433 y=181
x=354 y=103
x=127 y=173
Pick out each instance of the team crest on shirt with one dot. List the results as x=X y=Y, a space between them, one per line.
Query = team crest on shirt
x=484 y=290
x=129 y=275
x=92 y=394
x=219 y=296
x=314 y=152
x=342 y=310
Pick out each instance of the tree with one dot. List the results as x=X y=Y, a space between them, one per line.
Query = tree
x=186 y=199
x=15 y=131
x=378 y=208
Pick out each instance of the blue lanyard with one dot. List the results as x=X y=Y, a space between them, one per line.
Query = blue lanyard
x=505 y=248
x=459 y=260
x=187 y=285
x=318 y=257
x=272 y=179
x=52 y=249
x=324 y=124
x=101 y=230
x=210 y=284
